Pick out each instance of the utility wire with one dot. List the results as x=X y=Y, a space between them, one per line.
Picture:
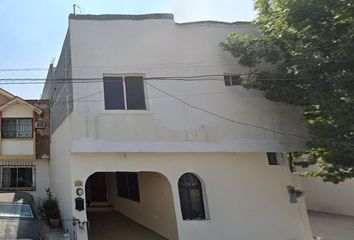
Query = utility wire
x=172 y=78
x=220 y=116
x=79 y=99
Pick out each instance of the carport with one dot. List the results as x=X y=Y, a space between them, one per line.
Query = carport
x=130 y=205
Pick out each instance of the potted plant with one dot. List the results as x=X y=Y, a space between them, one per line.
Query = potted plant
x=50 y=209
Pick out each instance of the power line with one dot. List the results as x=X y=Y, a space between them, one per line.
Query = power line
x=207 y=77
x=223 y=117
x=79 y=99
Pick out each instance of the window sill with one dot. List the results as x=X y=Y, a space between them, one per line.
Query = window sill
x=17 y=139
x=118 y=112
x=18 y=189
x=196 y=220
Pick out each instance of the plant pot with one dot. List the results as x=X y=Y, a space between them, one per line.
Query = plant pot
x=54 y=222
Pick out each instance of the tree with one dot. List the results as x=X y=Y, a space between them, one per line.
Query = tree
x=307 y=47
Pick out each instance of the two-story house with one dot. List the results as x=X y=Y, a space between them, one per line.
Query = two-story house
x=24 y=145
x=149 y=121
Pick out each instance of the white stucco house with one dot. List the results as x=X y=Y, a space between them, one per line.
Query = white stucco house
x=149 y=119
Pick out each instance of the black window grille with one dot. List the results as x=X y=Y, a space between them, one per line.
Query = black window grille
x=272 y=158
x=17 y=128
x=191 y=197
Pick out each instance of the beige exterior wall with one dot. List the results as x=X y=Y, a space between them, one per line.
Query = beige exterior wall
x=17 y=147
x=17 y=111
x=245 y=197
x=328 y=197
x=42 y=179
x=155 y=210
x=60 y=172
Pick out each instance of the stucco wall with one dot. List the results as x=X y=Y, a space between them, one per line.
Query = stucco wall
x=60 y=174
x=245 y=197
x=155 y=209
x=17 y=147
x=328 y=197
x=17 y=111
x=42 y=179
x=163 y=48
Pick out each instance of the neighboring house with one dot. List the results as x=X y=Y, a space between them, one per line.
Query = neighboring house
x=186 y=159
x=24 y=145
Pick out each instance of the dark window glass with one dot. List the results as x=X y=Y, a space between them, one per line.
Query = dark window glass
x=24 y=178
x=191 y=197
x=272 y=158
x=124 y=93
x=128 y=185
x=17 y=127
x=133 y=186
x=134 y=87
x=232 y=80
x=13 y=177
x=113 y=93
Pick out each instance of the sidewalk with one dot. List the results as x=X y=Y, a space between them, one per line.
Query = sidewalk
x=49 y=233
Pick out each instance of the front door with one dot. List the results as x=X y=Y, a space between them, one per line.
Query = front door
x=98 y=187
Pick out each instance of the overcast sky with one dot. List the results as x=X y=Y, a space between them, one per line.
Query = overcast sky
x=32 y=31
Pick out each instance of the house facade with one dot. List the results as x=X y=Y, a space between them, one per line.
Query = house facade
x=148 y=117
x=24 y=145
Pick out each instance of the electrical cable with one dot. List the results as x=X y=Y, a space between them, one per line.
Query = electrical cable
x=223 y=117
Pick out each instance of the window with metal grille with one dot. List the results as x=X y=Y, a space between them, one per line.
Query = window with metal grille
x=128 y=185
x=16 y=128
x=124 y=93
x=17 y=177
x=232 y=80
x=191 y=197
x=272 y=158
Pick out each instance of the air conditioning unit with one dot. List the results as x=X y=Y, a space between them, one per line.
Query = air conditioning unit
x=40 y=124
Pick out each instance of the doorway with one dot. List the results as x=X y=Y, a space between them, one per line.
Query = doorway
x=96 y=190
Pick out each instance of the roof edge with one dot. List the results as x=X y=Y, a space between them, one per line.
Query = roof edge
x=215 y=22
x=138 y=17
x=107 y=17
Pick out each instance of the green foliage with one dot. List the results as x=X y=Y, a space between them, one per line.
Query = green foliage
x=50 y=206
x=304 y=56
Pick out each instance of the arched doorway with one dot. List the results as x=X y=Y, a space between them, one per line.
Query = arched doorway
x=130 y=205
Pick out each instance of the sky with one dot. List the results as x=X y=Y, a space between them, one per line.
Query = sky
x=32 y=31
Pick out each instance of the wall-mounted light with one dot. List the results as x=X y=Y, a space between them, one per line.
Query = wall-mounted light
x=294 y=193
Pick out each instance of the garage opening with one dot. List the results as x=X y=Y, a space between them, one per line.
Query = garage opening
x=130 y=205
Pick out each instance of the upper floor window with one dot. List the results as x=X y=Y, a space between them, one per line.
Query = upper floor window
x=191 y=197
x=272 y=158
x=232 y=80
x=17 y=127
x=124 y=93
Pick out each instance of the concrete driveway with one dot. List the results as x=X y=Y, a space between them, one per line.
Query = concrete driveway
x=332 y=226
x=113 y=225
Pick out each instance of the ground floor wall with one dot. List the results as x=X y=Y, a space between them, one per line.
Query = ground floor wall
x=60 y=174
x=328 y=197
x=244 y=197
x=42 y=180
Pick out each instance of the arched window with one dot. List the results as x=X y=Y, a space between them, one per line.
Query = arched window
x=191 y=197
